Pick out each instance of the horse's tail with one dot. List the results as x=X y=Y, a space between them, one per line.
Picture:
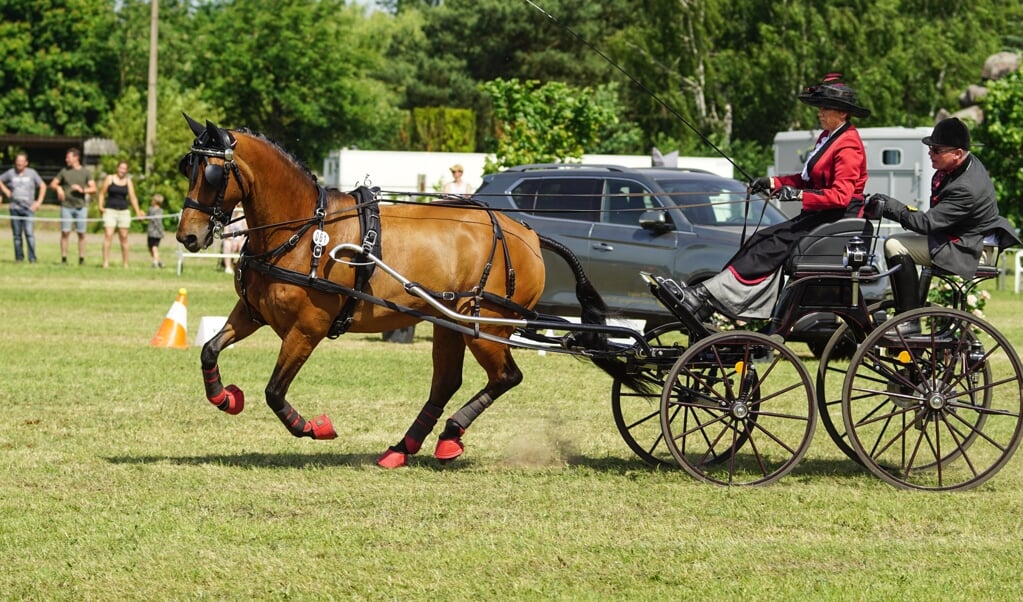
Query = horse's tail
x=594 y=311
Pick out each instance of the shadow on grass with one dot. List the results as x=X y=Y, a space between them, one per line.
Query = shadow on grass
x=287 y=460
x=812 y=467
x=823 y=467
x=255 y=460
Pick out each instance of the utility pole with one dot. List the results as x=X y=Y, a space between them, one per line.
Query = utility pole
x=154 y=13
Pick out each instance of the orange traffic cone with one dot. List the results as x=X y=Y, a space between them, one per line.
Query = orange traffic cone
x=173 y=329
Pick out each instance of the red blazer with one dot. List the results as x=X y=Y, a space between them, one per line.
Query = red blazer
x=837 y=173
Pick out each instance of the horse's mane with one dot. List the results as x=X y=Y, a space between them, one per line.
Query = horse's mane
x=291 y=157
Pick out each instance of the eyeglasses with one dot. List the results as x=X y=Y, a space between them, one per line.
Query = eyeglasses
x=456 y=171
x=940 y=150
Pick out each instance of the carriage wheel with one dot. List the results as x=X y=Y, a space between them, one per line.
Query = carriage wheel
x=637 y=415
x=834 y=365
x=936 y=411
x=738 y=409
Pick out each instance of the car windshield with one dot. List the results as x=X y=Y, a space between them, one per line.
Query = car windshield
x=713 y=202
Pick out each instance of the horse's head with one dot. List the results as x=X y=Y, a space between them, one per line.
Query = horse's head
x=208 y=165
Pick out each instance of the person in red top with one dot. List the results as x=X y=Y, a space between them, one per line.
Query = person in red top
x=829 y=187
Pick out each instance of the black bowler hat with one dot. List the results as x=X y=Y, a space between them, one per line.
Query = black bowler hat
x=949 y=132
x=831 y=93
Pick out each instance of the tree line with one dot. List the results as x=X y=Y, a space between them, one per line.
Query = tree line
x=483 y=75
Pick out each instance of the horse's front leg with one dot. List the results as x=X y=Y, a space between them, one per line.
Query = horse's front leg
x=239 y=325
x=296 y=346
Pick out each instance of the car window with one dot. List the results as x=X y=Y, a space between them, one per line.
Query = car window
x=718 y=203
x=624 y=200
x=566 y=198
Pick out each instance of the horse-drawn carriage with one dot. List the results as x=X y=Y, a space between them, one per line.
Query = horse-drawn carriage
x=935 y=410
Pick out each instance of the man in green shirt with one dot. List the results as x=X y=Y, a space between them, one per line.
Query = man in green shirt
x=72 y=184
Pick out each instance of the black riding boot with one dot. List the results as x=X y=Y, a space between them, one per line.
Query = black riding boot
x=905 y=290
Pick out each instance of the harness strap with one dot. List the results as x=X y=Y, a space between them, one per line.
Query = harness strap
x=369 y=223
x=320 y=236
x=504 y=302
x=328 y=286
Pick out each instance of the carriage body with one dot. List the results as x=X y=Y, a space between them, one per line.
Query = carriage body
x=935 y=411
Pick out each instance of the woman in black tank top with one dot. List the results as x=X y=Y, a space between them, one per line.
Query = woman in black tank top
x=117 y=193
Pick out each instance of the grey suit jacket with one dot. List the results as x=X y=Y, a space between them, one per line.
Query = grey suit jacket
x=963 y=210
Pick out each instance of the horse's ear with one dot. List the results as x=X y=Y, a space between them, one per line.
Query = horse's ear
x=213 y=132
x=219 y=135
x=195 y=125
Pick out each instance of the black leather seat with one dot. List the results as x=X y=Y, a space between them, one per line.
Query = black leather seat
x=823 y=249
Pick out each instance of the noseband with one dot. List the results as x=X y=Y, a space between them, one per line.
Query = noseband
x=215 y=175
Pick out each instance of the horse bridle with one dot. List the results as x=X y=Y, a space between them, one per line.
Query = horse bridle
x=214 y=175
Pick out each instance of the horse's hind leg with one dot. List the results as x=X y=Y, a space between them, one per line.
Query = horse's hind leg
x=296 y=347
x=502 y=375
x=448 y=355
x=239 y=325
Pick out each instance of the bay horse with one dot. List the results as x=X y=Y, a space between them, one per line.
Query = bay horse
x=480 y=263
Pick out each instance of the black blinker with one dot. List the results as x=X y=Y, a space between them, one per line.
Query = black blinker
x=185 y=165
x=214 y=174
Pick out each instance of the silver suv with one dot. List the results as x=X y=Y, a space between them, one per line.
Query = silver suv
x=619 y=221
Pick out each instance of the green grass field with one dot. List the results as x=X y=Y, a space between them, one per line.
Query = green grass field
x=120 y=481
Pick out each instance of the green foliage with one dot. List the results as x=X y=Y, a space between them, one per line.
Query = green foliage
x=444 y=129
x=1000 y=139
x=320 y=74
x=543 y=123
x=941 y=293
x=297 y=73
x=59 y=73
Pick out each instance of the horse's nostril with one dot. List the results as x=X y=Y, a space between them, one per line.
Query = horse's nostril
x=191 y=242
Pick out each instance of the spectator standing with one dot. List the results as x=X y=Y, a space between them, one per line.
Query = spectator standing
x=117 y=193
x=73 y=185
x=26 y=190
x=154 y=231
x=458 y=186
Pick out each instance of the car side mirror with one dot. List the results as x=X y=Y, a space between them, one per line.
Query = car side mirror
x=655 y=220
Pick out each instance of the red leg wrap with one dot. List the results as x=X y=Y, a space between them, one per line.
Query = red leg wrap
x=412 y=445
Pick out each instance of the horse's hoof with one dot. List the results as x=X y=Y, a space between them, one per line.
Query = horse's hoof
x=322 y=428
x=235 y=400
x=448 y=449
x=392 y=459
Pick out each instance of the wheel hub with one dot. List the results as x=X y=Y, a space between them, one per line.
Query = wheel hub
x=740 y=410
x=936 y=401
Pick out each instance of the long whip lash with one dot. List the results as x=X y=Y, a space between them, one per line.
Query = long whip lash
x=664 y=104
